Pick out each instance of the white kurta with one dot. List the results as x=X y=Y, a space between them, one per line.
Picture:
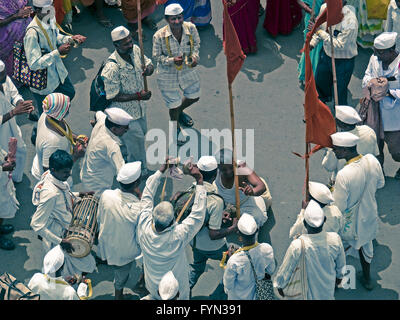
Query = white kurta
x=52 y=288
x=334 y=221
x=393 y=21
x=8 y=100
x=350 y=183
x=165 y=251
x=52 y=218
x=390 y=109
x=324 y=259
x=239 y=282
x=366 y=144
x=117 y=217
x=103 y=158
x=8 y=201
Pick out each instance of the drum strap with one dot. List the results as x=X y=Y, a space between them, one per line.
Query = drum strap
x=69 y=208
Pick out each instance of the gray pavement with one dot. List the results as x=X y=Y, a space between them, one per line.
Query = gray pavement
x=267 y=99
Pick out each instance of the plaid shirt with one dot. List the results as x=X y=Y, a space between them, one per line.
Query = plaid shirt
x=168 y=77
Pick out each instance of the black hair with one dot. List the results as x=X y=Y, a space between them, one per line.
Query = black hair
x=110 y=124
x=248 y=238
x=209 y=175
x=60 y=159
x=129 y=186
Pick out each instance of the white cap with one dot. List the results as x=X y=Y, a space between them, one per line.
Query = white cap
x=129 y=172
x=385 y=40
x=320 y=192
x=168 y=287
x=173 y=9
x=118 y=116
x=119 y=33
x=53 y=260
x=207 y=163
x=2 y=66
x=163 y=213
x=314 y=215
x=344 y=139
x=42 y=3
x=347 y=114
x=82 y=290
x=247 y=225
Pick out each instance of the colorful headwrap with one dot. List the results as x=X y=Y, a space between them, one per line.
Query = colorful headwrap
x=56 y=105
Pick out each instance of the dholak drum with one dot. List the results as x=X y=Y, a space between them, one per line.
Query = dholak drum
x=82 y=230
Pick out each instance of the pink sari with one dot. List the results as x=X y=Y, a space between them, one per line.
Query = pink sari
x=244 y=16
x=282 y=16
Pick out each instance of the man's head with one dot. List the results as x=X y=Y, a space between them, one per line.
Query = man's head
x=43 y=8
x=168 y=289
x=56 y=105
x=344 y=144
x=129 y=176
x=3 y=74
x=224 y=159
x=117 y=121
x=174 y=16
x=320 y=193
x=385 y=47
x=122 y=40
x=346 y=118
x=314 y=217
x=208 y=168
x=247 y=227
x=163 y=216
x=60 y=164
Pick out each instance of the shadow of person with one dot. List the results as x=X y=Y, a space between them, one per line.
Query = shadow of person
x=264 y=233
x=388 y=199
x=211 y=46
x=361 y=62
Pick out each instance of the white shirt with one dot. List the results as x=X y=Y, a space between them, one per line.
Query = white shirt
x=345 y=43
x=52 y=288
x=102 y=159
x=8 y=201
x=47 y=142
x=165 y=251
x=393 y=21
x=349 y=186
x=117 y=217
x=324 y=260
x=239 y=282
x=334 y=221
x=390 y=109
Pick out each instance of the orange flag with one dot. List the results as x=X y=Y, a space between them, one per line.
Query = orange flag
x=320 y=123
x=334 y=12
x=233 y=50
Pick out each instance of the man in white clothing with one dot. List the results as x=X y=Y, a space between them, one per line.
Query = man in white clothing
x=324 y=257
x=239 y=279
x=12 y=104
x=117 y=217
x=103 y=158
x=354 y=192
x=346 y=121
x=162 y=241
x=323 y=196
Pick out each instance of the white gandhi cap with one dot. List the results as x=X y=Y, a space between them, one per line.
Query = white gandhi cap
x=42 y=3
x=118 y=116
x=119 y=33
x=207 y=163
x=129 y=172
x=314 y=215
x=2 y=66
x=320 y=192
x=385 y=40
x=247 y=225
x=173 y=9
x=168 y=287
x=344 y=139
x=53 y=260
x=347 y=114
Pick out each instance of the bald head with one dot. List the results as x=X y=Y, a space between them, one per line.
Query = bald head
x=163 y=215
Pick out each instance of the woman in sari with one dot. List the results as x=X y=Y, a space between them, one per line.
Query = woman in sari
x=282 y=16
x=14 y=18
x=306 y=5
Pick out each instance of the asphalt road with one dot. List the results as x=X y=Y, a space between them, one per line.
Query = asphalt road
x=267 y=99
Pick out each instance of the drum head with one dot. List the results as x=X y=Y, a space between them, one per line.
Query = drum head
x=81 y=247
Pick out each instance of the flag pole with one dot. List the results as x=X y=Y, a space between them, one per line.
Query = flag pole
x=234 y=160
x=140 y=33
x=335 y=90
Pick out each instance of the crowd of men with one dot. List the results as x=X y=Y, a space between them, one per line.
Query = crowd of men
x=335 y=221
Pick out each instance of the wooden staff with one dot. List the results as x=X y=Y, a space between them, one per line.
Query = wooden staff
x=139 y=17
x=335 y=90
x=234 y=152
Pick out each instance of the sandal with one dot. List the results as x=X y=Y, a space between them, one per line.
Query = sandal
x=6 y=228
x=185 y=120
x=180 y=142
x=105 y=22
x=6 y=244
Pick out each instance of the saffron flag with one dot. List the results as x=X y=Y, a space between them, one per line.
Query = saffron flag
x=233 y=50
x=320 y=123
x=334 y=12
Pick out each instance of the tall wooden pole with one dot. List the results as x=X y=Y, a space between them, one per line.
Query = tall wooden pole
x=335 y=90
x=234 y=160
x=140 y=33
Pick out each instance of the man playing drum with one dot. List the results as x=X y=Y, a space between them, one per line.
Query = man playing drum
x=53 y=215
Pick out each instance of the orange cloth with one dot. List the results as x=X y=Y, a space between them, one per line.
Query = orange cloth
x=334 y=12
x=129 y=8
